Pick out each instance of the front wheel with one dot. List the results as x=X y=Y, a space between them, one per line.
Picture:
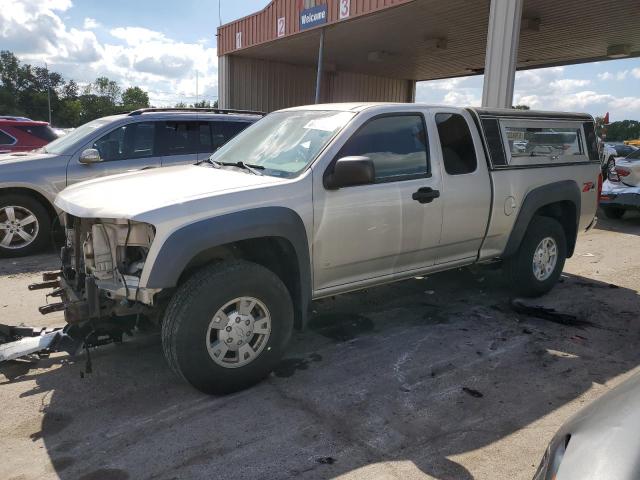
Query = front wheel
x=25 y=226
x=227 y=327
x=536 y=266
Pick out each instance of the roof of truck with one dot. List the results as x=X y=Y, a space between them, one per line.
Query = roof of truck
x=541 y=114
x=482 y=112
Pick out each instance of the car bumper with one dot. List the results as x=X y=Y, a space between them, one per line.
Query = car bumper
x=620 y=196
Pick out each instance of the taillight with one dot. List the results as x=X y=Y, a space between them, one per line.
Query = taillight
x=599 y=187
x=623 y=172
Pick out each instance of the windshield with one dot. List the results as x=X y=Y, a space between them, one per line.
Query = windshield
x=61 y=144
x=284 y=143
x=634 y=156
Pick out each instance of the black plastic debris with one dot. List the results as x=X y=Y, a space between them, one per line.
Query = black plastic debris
x=550 y=314
x=472 y=392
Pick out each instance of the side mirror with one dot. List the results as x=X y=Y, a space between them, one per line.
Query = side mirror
x=349 y=172
x=89 y=156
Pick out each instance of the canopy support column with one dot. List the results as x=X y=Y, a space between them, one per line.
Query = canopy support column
x=502 y=53
x=320 y=66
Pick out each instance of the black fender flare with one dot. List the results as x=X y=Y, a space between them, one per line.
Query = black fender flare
x=566 y=190
x=183 y=245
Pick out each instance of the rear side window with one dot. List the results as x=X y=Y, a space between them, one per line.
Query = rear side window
x=6 y=139
x=136 y=140
x=592 y=140
x=181 y=138
x=397 y=145
x=43 y=132
x=185 y=138
x=544 y=141
x=458 y=151
x=222 y=132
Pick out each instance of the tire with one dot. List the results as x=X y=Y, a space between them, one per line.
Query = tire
x=520 y=268
x=187 y=337
x=23 y=207
x=614 y=213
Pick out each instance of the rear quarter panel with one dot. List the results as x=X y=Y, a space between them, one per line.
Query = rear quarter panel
x=512 y=186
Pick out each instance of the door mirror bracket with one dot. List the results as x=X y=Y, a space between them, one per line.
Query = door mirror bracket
x=350 y=172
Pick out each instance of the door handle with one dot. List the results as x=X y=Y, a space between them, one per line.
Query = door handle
x=426 y=195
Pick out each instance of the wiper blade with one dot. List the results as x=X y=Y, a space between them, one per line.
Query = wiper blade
x=245 y=166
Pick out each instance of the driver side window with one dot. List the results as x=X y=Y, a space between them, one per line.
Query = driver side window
x=136 y=140
x=396 y=144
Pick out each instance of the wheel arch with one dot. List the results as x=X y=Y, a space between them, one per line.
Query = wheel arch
x=558 y=200
x=35 y=194
x=274 y=237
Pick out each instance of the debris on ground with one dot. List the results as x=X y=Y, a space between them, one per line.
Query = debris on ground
x=550 y=314
x=472 y=392
x=326 y=460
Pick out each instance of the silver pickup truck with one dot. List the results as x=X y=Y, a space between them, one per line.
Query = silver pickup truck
x=316 y=201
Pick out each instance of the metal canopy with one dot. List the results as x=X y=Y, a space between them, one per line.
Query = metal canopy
x=430 y=39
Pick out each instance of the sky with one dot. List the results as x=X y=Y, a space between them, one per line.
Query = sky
x=162 y=46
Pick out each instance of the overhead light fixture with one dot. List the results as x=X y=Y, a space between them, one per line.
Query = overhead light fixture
x=379 y=56
x=435 y=43
x=530 y=24
x=619 y=51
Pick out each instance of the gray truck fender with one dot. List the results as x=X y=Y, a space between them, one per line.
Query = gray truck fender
x=185 y=244
x=566 y=190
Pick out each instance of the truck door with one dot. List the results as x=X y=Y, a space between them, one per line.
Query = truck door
x=466 y=186
x=393 y=225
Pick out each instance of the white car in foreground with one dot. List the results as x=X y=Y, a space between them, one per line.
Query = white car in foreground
x=621 y=191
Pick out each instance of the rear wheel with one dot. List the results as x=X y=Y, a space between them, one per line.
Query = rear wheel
x=614 y=213
x=227 y=327
x=538 y=263
x=25 y=225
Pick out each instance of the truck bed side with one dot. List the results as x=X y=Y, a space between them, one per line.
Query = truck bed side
x=529 y=178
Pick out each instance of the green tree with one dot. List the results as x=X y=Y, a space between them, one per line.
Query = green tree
x=202 y=104
x=103 y=87
x=134 y=98
x=522 y=107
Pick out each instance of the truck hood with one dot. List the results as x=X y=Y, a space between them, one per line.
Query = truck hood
x=131 y=194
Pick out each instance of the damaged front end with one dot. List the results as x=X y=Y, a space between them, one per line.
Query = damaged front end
x=102 y=263
x=98 y=289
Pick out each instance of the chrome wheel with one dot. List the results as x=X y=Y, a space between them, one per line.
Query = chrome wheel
x=238 y=332
x=545 y=259
x=18 y=227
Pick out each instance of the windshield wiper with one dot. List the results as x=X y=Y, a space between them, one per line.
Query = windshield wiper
x=245 y=166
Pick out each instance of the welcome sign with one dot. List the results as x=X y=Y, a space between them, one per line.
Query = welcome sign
x=314 y=16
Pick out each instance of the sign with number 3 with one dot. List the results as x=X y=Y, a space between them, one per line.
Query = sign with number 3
x=345 y=8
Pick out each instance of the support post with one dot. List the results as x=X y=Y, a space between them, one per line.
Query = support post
x=320 y=60
x=224 y=82
x=501 y=59
x=46 y=67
